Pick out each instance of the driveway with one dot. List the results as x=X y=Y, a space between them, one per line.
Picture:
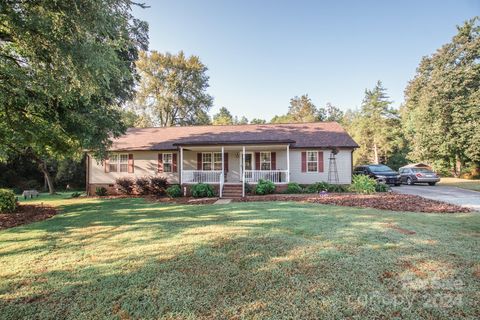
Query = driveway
x=461 y=197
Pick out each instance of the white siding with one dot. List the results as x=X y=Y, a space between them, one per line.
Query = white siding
x=145 y=165
x=344 y=167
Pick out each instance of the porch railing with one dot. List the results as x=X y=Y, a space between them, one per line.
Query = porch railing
x=276 y=176
x=196 y=176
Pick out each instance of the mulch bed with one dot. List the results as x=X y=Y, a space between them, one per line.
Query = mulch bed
x=26 y=213
x=384 y=201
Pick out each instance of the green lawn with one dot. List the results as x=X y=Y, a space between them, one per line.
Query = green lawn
x=461 y=183
x=128 y=258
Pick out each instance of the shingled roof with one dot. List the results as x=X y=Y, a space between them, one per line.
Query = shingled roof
x=298 y=135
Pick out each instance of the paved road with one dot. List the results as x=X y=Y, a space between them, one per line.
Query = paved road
x=462 y=197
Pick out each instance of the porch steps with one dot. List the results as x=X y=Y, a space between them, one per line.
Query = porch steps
x=232 y=191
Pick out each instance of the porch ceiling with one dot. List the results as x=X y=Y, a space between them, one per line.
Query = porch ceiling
x=261 y=147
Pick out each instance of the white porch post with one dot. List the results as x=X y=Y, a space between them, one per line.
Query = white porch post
x=222 y=178
x=288 y=163
x=181 y=166
x=243 y=172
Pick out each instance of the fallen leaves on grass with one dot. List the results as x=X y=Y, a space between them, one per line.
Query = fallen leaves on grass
x=383 y=201
x=26 y=213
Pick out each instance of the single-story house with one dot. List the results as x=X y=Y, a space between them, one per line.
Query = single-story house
x=228 y=156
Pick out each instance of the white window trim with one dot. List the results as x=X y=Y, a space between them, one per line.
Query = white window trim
x=316 y=162
x=164 y=162
x=269 y=161
x=118 y=163
x=212 y=161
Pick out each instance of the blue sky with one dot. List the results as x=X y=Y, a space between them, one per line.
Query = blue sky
x=262 y=53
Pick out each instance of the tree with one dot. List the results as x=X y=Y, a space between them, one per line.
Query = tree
x=66 y=67
x=243 y=120
x=257 y=121
x=375 y=127
x=223 y=117
x=441 y=115
x=173 y=89
x=332 y=113
x=302 y=109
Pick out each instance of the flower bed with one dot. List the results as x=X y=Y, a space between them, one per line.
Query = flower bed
x=24 y=214
x=383 y=201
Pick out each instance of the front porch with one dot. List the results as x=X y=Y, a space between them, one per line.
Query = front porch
x=224 y=165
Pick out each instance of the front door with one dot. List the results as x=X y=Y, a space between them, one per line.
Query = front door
x=248 y=163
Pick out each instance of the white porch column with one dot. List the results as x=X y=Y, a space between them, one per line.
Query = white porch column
x=222 y=178
x=181 y=166
x=288 y=163
x=243 y=172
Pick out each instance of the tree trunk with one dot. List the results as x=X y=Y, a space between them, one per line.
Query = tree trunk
x=48 y=178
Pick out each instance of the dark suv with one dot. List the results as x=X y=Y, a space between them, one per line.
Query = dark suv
x=379 y=172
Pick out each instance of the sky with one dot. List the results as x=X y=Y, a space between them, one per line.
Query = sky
x=262 y=53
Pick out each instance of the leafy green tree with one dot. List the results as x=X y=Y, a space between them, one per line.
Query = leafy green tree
x=301 y=109
x=332 y=113
x=441 y=115
x=66 y=67
x=223 y=117
x=375 y=127
x=173 y=89
x=243 y=120
x=257 y=121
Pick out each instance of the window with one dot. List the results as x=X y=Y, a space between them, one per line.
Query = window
x=206 y=161
x=118 y=162
x=265 y=161
x=217 y=161
x=211 y=161
x=312 y=161
x=167 y=162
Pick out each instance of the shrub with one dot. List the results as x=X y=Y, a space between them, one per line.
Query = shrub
x=363 y=184
x=202 y=190
x=125 y=185
x=143 y=185
x=381 y=187
x=293 y=187
x=325 y=186
x=8 y=203
x=248 y=188
x=76 y=194
x=158 y=185
x=101 y=191
x=17 y=190
x=264 y=187
x=174 y=191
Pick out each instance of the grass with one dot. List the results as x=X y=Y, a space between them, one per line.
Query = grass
x=128 y=258
x=461 y=183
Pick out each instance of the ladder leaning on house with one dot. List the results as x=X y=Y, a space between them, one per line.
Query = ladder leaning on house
x=332 y=168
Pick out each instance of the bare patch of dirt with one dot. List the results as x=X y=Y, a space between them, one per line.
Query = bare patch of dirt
x=26 y=213
x=401 y=230
x=383 y=201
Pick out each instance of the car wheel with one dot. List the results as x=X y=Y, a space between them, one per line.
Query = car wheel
x=410 y=181
x=432 y=183
x=397 y=184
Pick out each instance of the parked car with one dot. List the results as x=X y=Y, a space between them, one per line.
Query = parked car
x=411 y=176
x=379 y=172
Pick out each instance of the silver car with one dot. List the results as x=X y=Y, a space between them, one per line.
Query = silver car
x=411 y=176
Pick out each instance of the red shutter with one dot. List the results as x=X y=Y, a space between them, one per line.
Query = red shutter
x=274 y=160
x=304 y=161
x=160 y=162
x=107 y=165
x=257 y=161
x=174 y=162
x=130 y=163
x=225 y=158
x=320 y=161
x=199 y=161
